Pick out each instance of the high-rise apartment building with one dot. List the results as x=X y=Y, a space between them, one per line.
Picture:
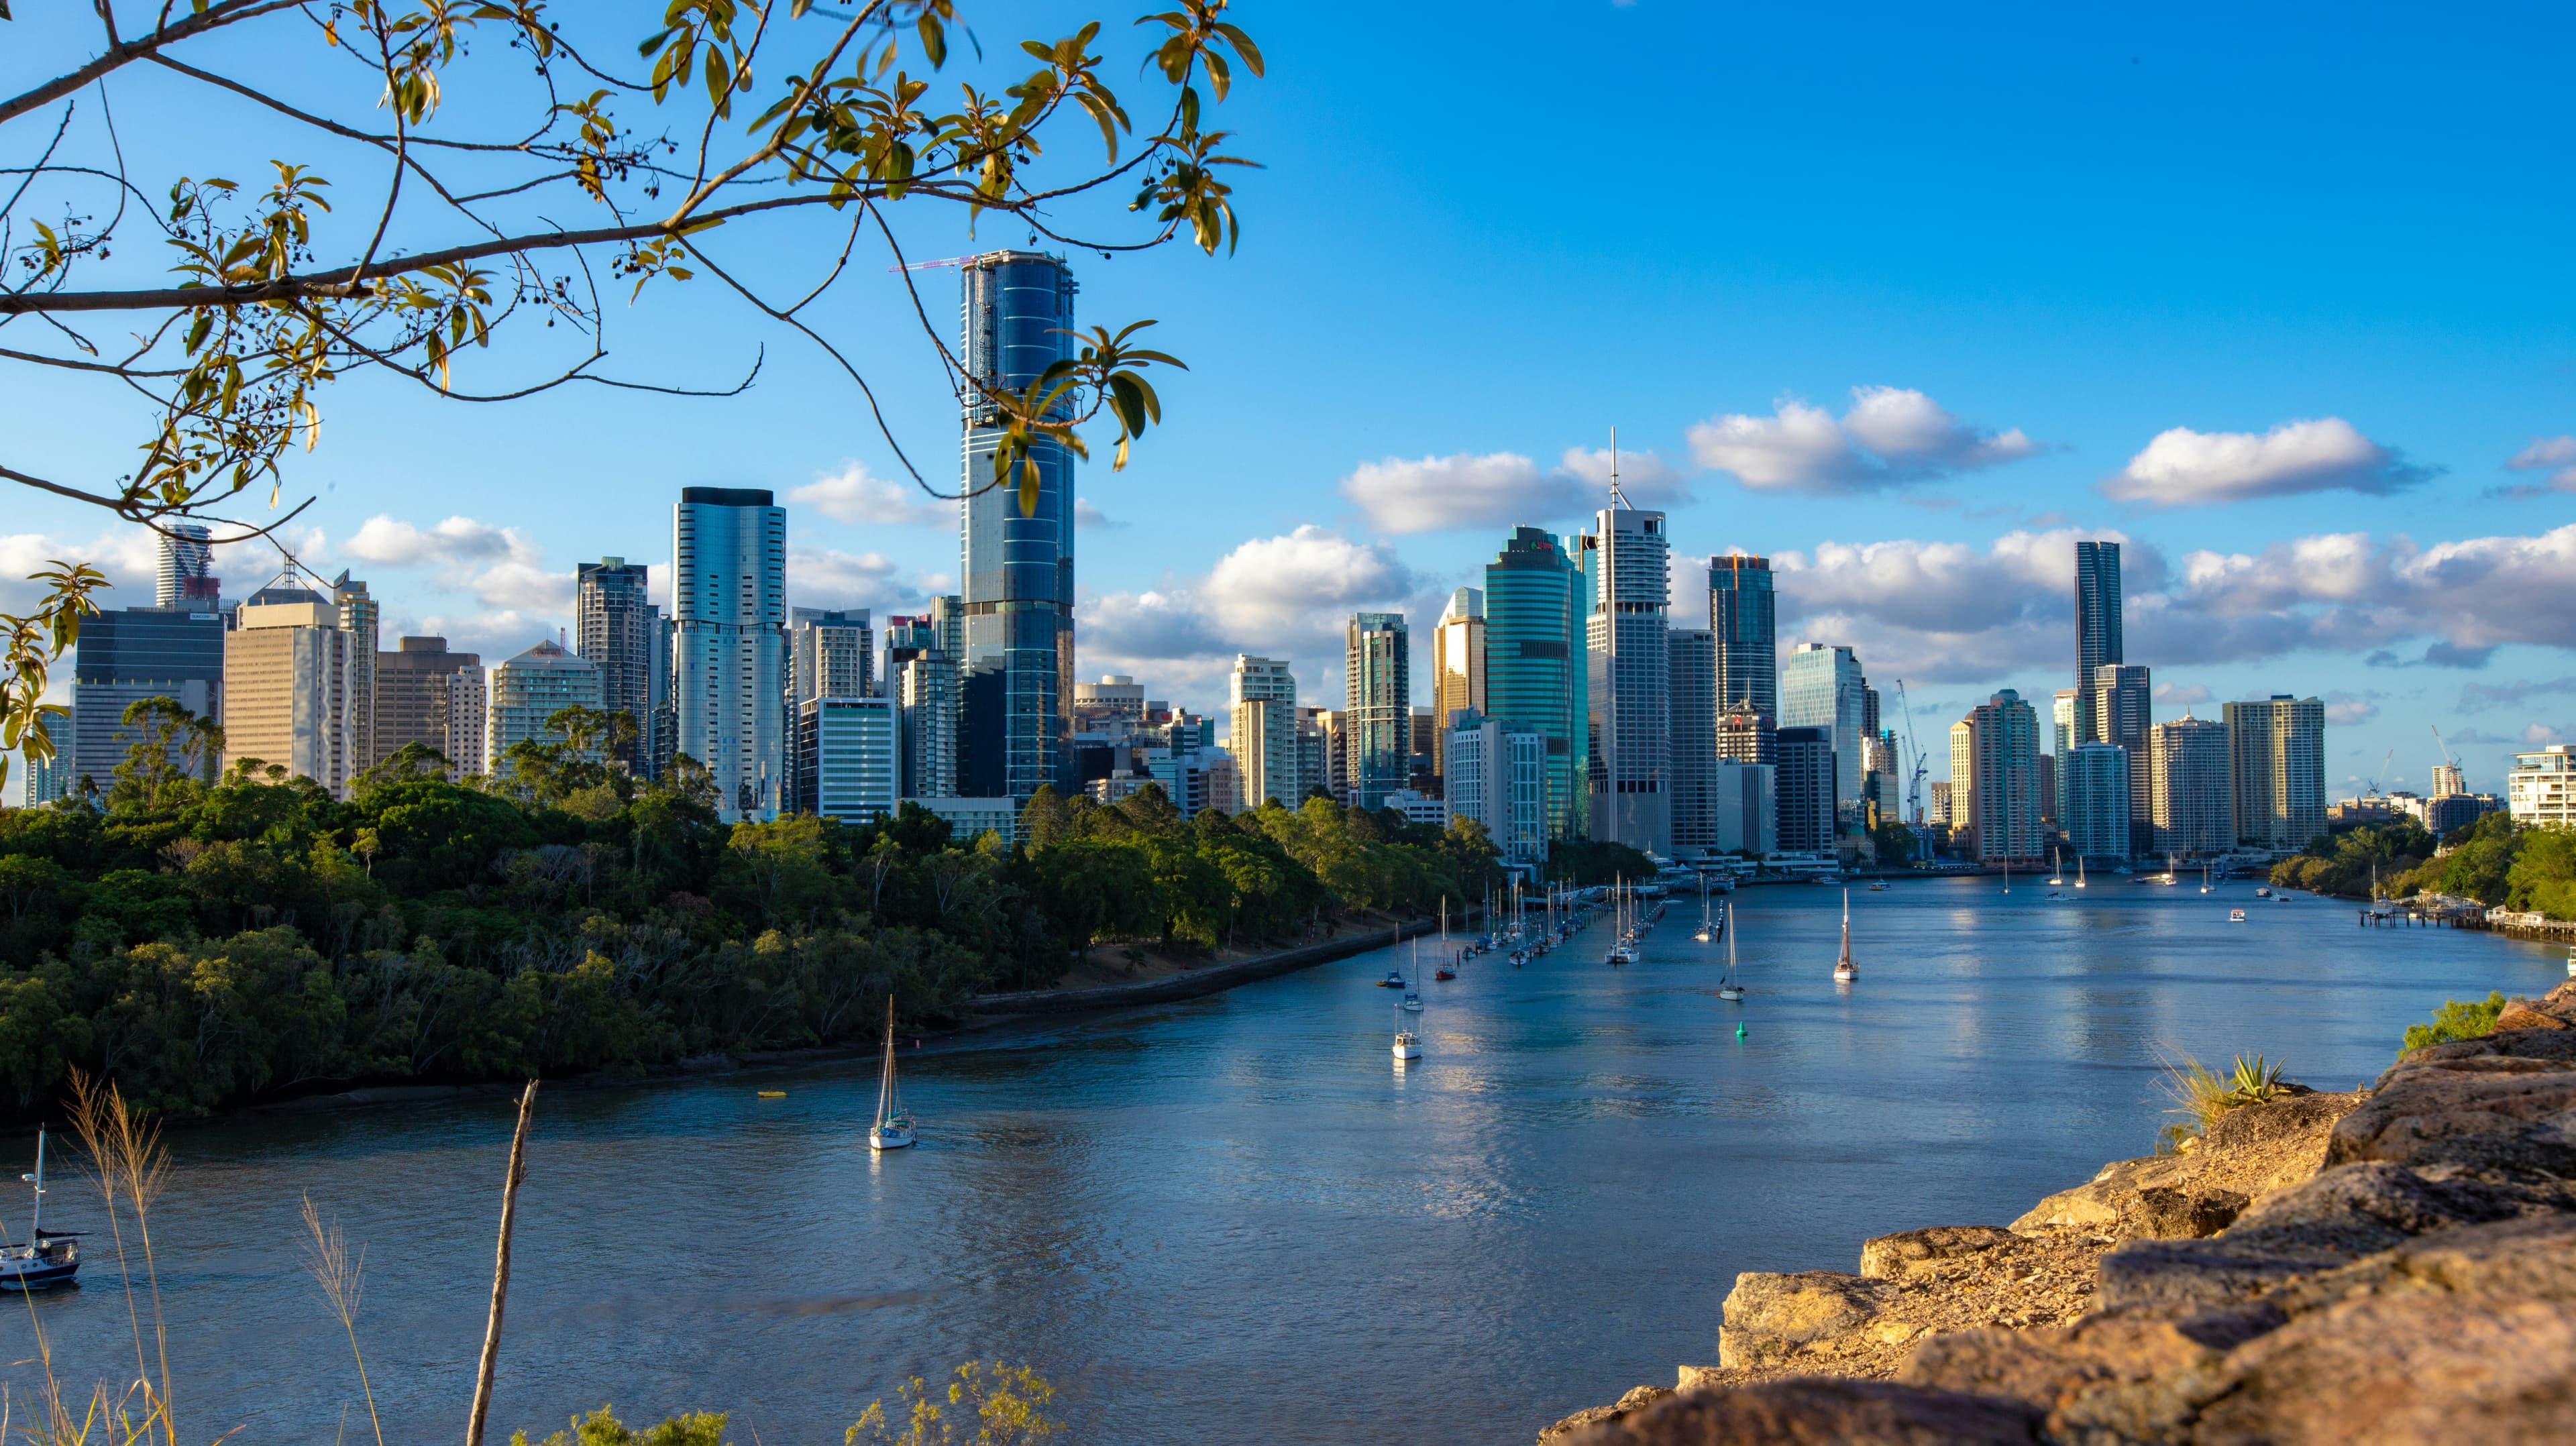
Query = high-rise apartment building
x=729 y=651
x=2194 y=807
x=2063 y=737
x=619 y=629
x=1018 y=564
x=2276 y=770
x=2123 y=714
x=1821 y=687
x=288 y=691
x=530 y=688
x=1457 y=667
x=2448 y=781
x=1324 y=754
x=2097 y=629
x=1744 y=619
x=1377 y=674
x=1745 y=734
x=830 y=654
x=849 y=757
x=1264 y=744
x=1498 y=777
x=124 y=656
x=1803 y=789
x=2540 y=792
x=2097 y=801
x=430 y=696
x=360 y=619
x=1536 y=670
x=1693 y=674
x=1994 y=778
x=185 y=579
x=922 y=674
x=1627 y=569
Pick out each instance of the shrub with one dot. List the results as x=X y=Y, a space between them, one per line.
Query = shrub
x=2200 y=1095
x=2455 y=1020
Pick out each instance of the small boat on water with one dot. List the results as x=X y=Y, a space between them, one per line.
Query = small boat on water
x=2055 y=875
x=1878 y=886
x=2571 y=961
x=2263 y=891
x=2204 y=878
x=2236 y=916
x=54 y=1257
x=1412 y=1001
x=1393 y=980
x=893 y=1129
x=1407 y=1046
x=1727 y=986
x=1844 y=970
x=2079 y=871
x=1445 y=972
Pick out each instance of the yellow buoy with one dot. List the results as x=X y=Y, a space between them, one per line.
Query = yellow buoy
x=773 y=1094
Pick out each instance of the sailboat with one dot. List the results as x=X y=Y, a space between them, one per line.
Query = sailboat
x=1407 y=1046
x=1727 y=987
x=2079 y=871
x=1706 y=932
x=1844 y=972
x=52 y=1259
x=893 y=1129
x=2056 y=875
x=2007 y=886
x=2204 y=878
x=1413 y=992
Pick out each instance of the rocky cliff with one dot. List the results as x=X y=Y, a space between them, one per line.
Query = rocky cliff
x=2393 y=1265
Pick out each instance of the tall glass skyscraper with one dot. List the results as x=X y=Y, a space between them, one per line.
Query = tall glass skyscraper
x=1018 y=568
x=1627 y=565
x=1535 y=664
x=185 y=578
x=1378 y=678
x=729 y=652
x=620 y=630
x=1742 y=617
x=1822 y=687
x=2097 y=629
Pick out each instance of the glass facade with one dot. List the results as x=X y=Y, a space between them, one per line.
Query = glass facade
x=729 y=663
x=1378 y=676
x=1535 y=664
x=618 y=629
x=2097 y=628
x=1018 y=586
x=1627 y=566
x=1742 y=616
x=1822 y=687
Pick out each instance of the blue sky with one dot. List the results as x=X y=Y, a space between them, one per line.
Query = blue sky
x=1908 y=300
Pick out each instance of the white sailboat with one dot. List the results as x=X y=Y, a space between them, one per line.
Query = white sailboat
x=893 y=1129
x=1706 y=934
x=1407 y=1046
x=1727 y=986
x=1413 y=983
x=2204 y=878
x=52 y=1258
x=1844 y=972
x=2056 y=874
x=2079 y=871
x=2007 y=886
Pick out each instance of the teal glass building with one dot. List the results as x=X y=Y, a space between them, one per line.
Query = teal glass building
x=1535 y=611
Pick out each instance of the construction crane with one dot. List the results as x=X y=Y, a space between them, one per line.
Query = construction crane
x=2383 y=774
x=2450 y=760
x=1914 y=780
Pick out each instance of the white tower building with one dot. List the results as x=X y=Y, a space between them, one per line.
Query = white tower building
x=729 y=658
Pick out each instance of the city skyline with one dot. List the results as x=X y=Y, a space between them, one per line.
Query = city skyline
x=2334 y=469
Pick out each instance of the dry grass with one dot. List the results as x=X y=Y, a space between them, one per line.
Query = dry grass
x=2201 y=1095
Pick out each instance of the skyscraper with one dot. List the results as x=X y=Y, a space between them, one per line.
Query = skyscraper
x=2123 y=713
x=923 y=678
x=2277 y=770
x=2097 y=628
x=1535 y=666
x=287 y=698
x=849 y=763
x=1742 y=615
x=1803 y=790
x=830 y=654
x=1694 y=718
x=1994 y=777
x=1500 y=781
x=529 y=689
x=2062 y=740
x=1377 y=675
x=2194 y=812
x=2097 y=800
x=619 y=630
x=418 y=700
x=1821 y=687
x=185 y=579
x=1264 y=744
x=1745 y=734
x=1018 y=567
x=359 y=616
x=729 y=664
x=1627 y=569
x=124 y=656
x=1457 y=667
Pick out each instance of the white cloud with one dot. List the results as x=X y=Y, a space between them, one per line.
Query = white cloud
x=854 y=494
x=524 y=587
x=1942 y=611
x=2182 y=695
x=2553 y=455
x=2540 y=735
x=1645 y=478
x=2183 y=468
x=1890 y=437
x=388 y=542
x=824 y=577
x=1087 y=516
x=1286 y=587
x=2345 y=711
x=1500 y=489
x=130 y=556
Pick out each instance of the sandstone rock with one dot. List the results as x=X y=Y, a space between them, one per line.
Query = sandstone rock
x=2520 y=1014
x=2540 y=1044
x=2052 y=1367
x=1889 y=1257
x=2247 y=1153
x=1768 y=1316
x=2506 y=1112
x=2201 y=1272
x=1815 y=1411
x=1637 y=1399
x=1700 y=1378
x=2408 y=1368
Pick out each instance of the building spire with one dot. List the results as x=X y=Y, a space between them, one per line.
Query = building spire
x=1618 y=501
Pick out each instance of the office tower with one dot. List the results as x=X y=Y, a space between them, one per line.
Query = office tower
x=1744 y=797
x=185 y=579
x=2097 y=628
x=1115 y=697
x=1424 y=764
x=1693 y=675
x=948 y=620
x=922 y=675
x=2049 y=789
x=1803 y=786
x=1994 y=778
x=2123 y=703
x=2448 y=781
x=1264 y=743
x=830 y=654
x=1535 y=665
x=288 y=694
x=1377 y=675
x=1018 y=567
x=1821 y=687
x=1627 y=570
x=44 y=780
x=2276 y=752
x=1941 y=796
x=1457 y=667
x=359 y=617
x=1498 y=777
x=849 y=757
x=1323 y=756
x=427 y=695
x=2062 y=740
x=124 y=656
x=2194 y=812
x=1745 y=735
x=729 y=652
x=2097 y=801
x=1742 y=615
x=530 y=688
x=983 y=742
x=619 y=629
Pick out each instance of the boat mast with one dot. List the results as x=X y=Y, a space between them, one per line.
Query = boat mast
x=1845 y=958
x=36 y=1226
x=885 y=1081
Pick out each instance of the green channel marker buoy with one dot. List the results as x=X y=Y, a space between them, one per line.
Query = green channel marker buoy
x=1739 y=1031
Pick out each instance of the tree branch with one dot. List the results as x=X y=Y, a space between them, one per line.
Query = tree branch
x=215 y=16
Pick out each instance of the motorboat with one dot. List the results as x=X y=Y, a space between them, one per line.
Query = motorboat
x=893 y=1129
x=1878 y=886
x=53 y=1256
x=1407 y=1046
x=2236 y=916
x=1844 y=970
x=2263 y=891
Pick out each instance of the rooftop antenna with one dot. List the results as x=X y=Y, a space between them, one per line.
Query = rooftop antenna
x=1618 y=501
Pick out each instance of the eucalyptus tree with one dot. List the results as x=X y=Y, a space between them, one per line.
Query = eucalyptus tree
x=466 y=189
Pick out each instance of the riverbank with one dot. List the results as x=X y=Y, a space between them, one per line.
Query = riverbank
x=1208 y=979
x=2394 y=1264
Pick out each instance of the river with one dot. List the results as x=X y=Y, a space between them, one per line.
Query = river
x=1236 y=1217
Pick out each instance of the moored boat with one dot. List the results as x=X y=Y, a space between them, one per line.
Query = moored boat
x=893 y=1129
x=54 y=1256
